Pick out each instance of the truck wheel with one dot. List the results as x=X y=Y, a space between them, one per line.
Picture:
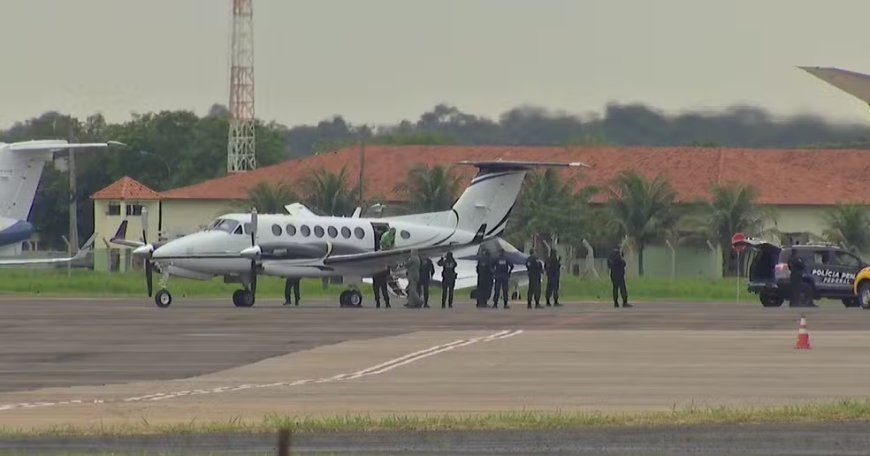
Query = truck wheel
x=850 y=302
x=864 y=294
x=769 y=300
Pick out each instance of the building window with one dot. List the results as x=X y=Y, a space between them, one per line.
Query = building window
x=345 y=232
x=359 y=233
x=291 y=230
x=305 y=231
x=113 y=209
x=276 y=230
x=318 y=231
x=134 y=209
x=333 y=233
x=404 y=234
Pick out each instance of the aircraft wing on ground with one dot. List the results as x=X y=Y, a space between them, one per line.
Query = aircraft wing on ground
x=56 y=145
x=82 y=253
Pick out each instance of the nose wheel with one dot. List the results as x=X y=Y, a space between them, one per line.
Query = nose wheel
x=163 y=299
x=350 y=298
x=243 y=298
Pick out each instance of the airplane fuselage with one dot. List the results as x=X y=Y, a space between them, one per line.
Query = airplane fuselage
x=295 y=246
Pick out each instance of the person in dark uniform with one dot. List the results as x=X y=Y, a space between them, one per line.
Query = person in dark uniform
x=616 y=263
x=502 y=274
x=427 y=270
x=448 y=278
x=553 y=267
x=796 y=269
x=484 y=279
x=379 y=286
x=292 y=283
x=534 y=269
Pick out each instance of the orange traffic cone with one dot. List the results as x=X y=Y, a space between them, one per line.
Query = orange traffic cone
x=803 y=339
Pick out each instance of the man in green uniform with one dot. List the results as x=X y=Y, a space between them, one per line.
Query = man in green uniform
x=388 y=239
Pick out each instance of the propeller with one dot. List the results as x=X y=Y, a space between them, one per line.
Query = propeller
x=256 y=249
x=149 y=269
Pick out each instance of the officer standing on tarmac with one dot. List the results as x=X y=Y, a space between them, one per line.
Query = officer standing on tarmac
x=292 y=283
x=448 y=278
x=379 y=286
x=553 y=266
x=502 y=273
x=484 y=278
x=534 y=269
x=413 y=272
x=796 y=269
x=427 y=271
x=616 y=263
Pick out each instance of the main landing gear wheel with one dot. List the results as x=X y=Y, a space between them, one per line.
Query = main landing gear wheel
x=350 y=298
x=243 y=298
x=163 y=299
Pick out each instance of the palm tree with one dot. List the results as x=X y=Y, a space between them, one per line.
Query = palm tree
x=430 y=189
x=270 y=199
x=732 y=209
x=642 y=209
x=329 y=193
x=849 y=226
x=548 y=208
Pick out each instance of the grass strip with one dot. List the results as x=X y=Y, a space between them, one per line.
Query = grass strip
x=839 y=411
x=87 y=283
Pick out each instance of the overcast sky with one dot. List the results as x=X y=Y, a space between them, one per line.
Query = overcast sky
x=380 y=61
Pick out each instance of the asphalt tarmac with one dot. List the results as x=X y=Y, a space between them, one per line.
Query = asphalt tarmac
x=65 y=342
x=129 y=361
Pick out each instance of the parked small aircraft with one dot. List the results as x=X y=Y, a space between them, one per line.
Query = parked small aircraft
x=305 y=245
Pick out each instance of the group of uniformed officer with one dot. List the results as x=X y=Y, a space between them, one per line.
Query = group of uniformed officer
x=493 y=276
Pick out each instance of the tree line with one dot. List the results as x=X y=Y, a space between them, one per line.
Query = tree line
x=169 y=149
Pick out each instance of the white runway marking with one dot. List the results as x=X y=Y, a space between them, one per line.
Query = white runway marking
x=373 y=370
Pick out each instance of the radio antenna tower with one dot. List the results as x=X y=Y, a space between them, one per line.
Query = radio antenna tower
x=241 y=144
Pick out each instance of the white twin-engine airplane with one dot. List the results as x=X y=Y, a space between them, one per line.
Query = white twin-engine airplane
x=240 y=247
x=21 y=165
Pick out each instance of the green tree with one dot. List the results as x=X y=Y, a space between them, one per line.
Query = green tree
x=429 y=189
x=732 y=209
x=642 y=209
x=329 y=193
x=270 y=199
x=849 y=226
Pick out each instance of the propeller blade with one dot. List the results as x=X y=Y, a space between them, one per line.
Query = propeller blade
x=149 y=277
x=144 y=225
x=253 y=279
x=253 y=226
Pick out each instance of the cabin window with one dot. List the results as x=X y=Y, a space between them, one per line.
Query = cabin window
x=276 y=230
x=359 y=233
x=134 y=209
x=333 y=233
x=404 y=234
x=305 y=230
x=113 y=209
x=345 y=232
x=291 y=230
x=318 y=231
x=238 y=230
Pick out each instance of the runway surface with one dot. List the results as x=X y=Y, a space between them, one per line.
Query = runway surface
x=124 y=361
x=60 y=342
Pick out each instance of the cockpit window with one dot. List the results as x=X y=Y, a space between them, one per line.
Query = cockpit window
x=224 y=225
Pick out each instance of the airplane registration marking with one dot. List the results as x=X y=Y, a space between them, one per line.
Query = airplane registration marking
x=369 y=371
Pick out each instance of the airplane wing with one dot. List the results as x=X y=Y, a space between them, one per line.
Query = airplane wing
x=57 y=145
x=384 y=258
x=120 y=237
x=82 y=253
x=299 y=210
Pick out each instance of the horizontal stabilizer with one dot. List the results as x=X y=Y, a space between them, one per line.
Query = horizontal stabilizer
x=516 y=165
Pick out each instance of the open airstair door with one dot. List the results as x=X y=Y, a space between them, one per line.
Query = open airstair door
x=379 y=229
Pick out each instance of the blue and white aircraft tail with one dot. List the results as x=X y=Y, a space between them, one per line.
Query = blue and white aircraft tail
x=21 y=165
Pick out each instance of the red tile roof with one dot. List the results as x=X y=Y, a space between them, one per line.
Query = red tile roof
x=783 y=177
x=126 y=188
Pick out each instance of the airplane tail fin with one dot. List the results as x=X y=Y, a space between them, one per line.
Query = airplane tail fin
x=487 y=202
